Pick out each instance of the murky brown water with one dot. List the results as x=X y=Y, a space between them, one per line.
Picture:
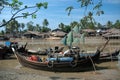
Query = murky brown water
x=91 y=44
x=11 y=69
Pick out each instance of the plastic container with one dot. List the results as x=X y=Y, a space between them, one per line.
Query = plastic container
x=7 y=43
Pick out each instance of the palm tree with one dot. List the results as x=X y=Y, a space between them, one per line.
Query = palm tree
x=45 y=29
x=38 y=28
x=117 y=24
x=73 y=24
x=67 y=28
x=83 y=23
x=109 y=24
x=99 y=25
x=21 y=27
x=30 y=26
x=12 y=27
x=45 y=23
x=61 y=26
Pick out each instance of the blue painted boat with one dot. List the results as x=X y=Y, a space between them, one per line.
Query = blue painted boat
x=62 y=59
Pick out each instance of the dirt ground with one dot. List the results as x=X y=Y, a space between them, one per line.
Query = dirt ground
x=10 y=69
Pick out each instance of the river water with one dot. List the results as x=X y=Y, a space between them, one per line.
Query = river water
x=10 y=69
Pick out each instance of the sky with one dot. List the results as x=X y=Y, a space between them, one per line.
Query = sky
x=56 y=14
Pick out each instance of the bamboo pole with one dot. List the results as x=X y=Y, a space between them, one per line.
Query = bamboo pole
x=92 y=63
x=110 y=54
x=105 y=45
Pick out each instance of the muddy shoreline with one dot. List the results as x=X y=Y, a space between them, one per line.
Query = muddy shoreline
x=10 y=69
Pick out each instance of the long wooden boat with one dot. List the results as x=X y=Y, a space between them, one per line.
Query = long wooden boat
x=40 y=52
x=113 y=54
x=56 y=63
x=5 y=52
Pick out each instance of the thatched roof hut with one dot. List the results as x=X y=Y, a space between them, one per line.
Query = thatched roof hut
x=112 y=34
x=89 y=32
x=33 y=34
x=113 y=31
x=58 y=33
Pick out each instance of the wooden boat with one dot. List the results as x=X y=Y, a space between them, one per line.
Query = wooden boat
x=40 y=52
x=106 y=57
x=113 y=54
x=57 y=63
x=32 y=52
x=2 y=53
x=6 y=51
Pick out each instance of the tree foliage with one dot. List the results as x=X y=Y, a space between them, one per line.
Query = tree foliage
x=45 y=23
x=18 y=11
x=109 y=24
x=13 y=27
x=88 y=20
x=117 y=24
x=65 y=28
x=3 y=3
x=37 y=27
x=30 y=26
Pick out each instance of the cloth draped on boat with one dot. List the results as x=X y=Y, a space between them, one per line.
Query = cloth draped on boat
x=70 y=38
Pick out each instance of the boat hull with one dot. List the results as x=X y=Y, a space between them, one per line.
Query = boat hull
x=56 y=65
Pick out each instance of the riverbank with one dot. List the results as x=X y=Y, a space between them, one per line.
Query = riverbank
x=10 y=69
x=90 y=44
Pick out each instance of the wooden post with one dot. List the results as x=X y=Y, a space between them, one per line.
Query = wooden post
x=92 y=63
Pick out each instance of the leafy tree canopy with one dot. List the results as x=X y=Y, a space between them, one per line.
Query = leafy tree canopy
x=19 y=10
x=88 y=19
